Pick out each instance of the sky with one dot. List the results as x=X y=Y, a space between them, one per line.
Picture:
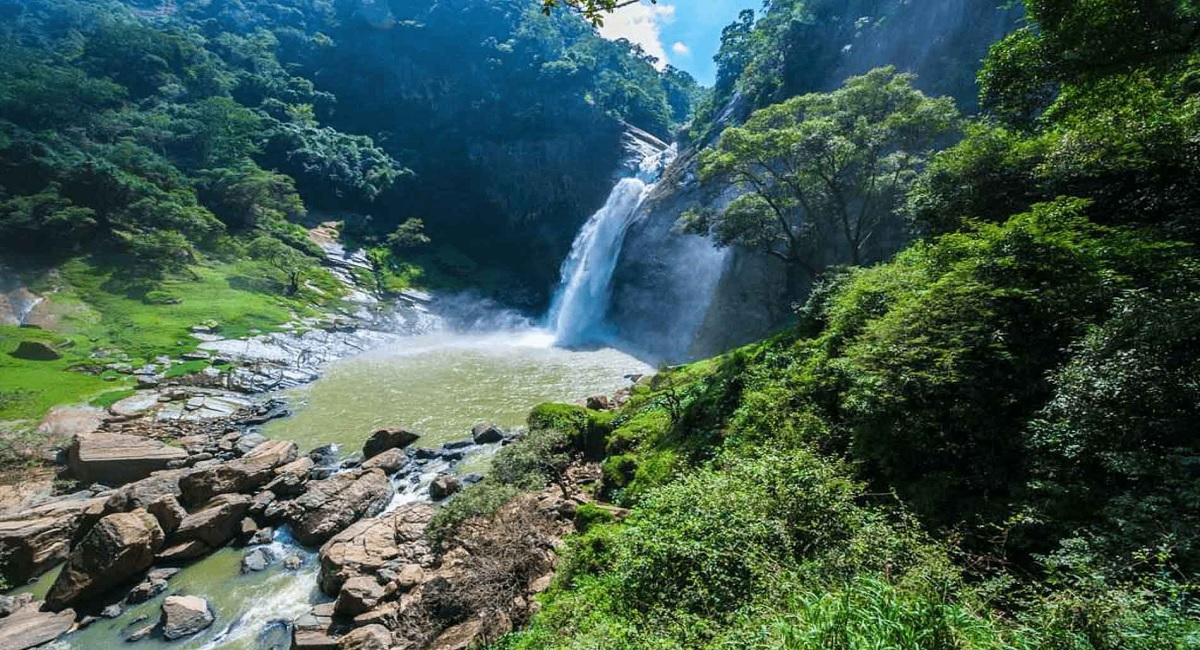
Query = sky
x=684 y=33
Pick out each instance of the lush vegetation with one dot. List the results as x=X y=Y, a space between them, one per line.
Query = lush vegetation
x=160 y=163
x=986 y=442
x=819 y=176
x=794 y=47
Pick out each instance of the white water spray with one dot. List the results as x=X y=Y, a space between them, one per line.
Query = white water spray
x=580 y=305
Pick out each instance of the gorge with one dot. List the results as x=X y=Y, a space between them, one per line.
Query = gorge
x=484 y=324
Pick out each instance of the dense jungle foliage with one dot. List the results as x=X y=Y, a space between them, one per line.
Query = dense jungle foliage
x=160 y=162
x=987 y=442
x=159 y=131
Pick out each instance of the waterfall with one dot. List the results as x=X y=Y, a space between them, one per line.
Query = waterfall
x=580 y=304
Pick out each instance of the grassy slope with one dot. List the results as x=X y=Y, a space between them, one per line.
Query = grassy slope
x=90 y=317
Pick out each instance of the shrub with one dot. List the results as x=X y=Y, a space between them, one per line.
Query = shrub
x=479 y=500
x=541 y=457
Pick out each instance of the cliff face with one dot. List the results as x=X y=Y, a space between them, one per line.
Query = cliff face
x=681 y=299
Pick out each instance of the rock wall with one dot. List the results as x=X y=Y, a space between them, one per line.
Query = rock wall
x=678 y=298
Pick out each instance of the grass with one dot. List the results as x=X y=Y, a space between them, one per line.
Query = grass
x=226 y=293
x=93 y=314
x=29 y=388
x=112 y=397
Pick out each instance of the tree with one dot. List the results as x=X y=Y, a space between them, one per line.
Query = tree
x=820 y=175
x=290 y=263
x=408 y=235
x=247 y=196
x=592 y=10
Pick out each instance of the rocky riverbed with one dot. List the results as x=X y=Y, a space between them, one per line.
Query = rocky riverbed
x=289 y=545
x=152 y=499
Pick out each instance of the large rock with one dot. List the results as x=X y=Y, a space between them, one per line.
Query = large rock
x=141 y=494
x=168 y=512
x=397 y=538
x=37 y=351
x=245 y=474
x=117 y=459
x=29 y=627
x=370 y=637
x=385 y=439
x=32 y=543
x=216 y=523
x=358 y=596
x=330 y=506
x=184 y=616
x=444 y=486
x=114 y=551
x=390 y=461
x=483 y=434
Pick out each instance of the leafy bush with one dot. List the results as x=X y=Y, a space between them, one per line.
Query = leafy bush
x=539 y=458
x=479 y=500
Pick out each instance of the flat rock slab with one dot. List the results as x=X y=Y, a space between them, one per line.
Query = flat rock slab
x=135 y=405
x=29 y=627
x=117 y=459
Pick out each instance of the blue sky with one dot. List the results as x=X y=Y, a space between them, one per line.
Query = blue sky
x=684 y=33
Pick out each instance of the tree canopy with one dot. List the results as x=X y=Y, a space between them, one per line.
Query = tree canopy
x=820 y=176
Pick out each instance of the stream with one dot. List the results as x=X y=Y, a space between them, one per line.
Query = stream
x=439 y=385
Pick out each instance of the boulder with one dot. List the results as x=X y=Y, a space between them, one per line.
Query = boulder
x=390 y=461
x=115 y=550
x=145 y=590
x=183 y=551
x=37 y=351
x=485 y=434
x=184 y=616
x=29 y=626
x=217 y=522
x=249 y=443
x=313 y=631
x=385 y=439
x=330 y=506
x=10 y=604
x=168 y=512
x=116 y=459
x=244 y=474
x=370 y=637
x=600 y=403
x=397 y=538
x=443 y=486
x=140 y=494
x=299 y=467
x=359 y=595
x=33 y=542
x=256 y=560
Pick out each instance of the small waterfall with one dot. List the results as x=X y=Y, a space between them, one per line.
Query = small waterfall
x=580 y=305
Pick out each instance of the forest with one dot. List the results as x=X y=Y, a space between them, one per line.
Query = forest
x=973 y=425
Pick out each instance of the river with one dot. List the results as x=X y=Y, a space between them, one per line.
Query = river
x=439 y=385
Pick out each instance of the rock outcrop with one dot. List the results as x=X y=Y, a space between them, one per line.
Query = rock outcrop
x=217 y=522
x=116 y=459
x=184 y=616
x=118 y=548
x=395 y=540
x=385 y=439
x=329 y=506
x=244 y=474
x=29 y=626
x=34 y=541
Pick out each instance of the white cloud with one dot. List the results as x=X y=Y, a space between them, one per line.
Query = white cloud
x=681 y=48
x=641 y=24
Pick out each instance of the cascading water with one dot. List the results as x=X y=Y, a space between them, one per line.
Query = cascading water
x=580 y=304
